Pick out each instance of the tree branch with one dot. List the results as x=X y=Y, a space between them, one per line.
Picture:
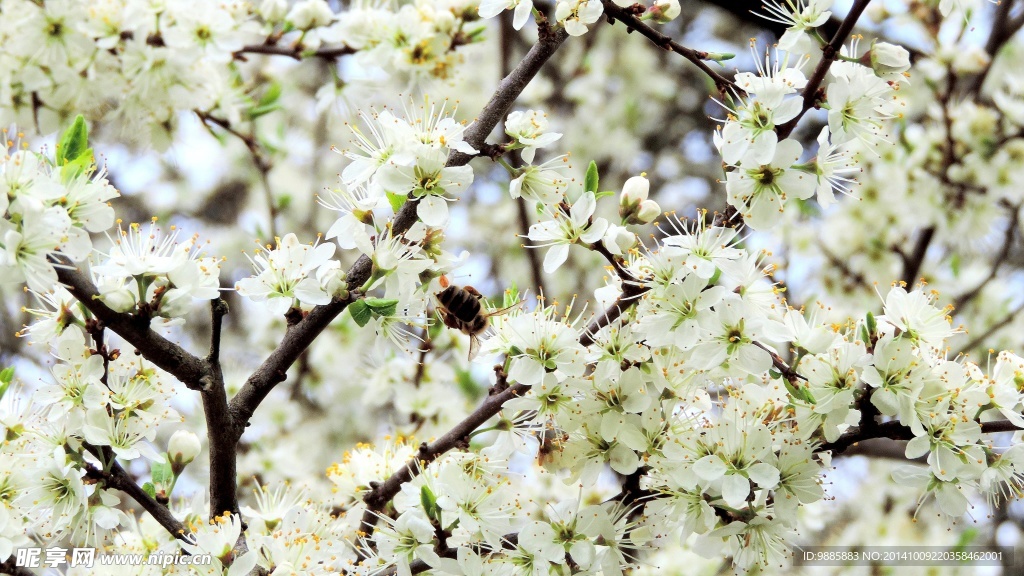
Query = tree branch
x=119 y=479
x=165 y=354
x=628 y=17
x=895 y=430
x=302 y=334
x=630 y=293
x=296 y=52
x=829 y=54
x=1003 y=28
x=381 y=494
x=10 y=567
x=912 y=263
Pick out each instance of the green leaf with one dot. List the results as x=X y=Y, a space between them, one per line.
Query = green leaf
x=360 y=312
x=871 y=324
x=71 y=169
x=268 y=103
x=74 y=142
x=966 y=537
x=6 y=377
x=590 y=183
x=162 y=473
x=604 y=193
x=715 y=277
x=284 y=201
x=954 y=264
x=148 y=488
x=396 y=200
x=271 y=95
x=382 y=306
x=257 y=111
x=798 y=393
x=429 y=502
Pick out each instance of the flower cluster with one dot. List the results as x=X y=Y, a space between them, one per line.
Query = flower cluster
x=764 y=172
x=697 y=406
x=48 y=209
x=153 y=275
x=152 y=61
x=99 y=408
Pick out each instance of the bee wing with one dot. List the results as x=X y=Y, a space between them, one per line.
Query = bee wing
x=474 y=346
x=504 y=310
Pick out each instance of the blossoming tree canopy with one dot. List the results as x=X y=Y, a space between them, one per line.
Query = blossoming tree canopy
x=529 y=295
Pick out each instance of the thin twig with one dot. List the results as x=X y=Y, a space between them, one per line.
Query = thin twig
x=785 y=369
x=296 y=52
x=382 y=493
x=977 y=340
x=997 y=262
x=829 y=54
x=628 y=16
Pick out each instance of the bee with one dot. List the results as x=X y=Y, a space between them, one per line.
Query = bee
x=461 y=308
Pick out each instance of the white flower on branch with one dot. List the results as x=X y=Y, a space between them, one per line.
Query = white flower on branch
x=576 y=15
x=529 y=129
x=568 y=225
x=760 y=189
x=284 y=276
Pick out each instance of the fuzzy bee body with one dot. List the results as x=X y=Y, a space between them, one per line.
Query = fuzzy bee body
x=461 y=309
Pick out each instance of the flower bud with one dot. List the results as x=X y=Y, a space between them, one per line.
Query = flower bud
x=649 y=210
x=633 y=197
x=635 y=190
x=332 y=279
x=182 y=448
x=665 y=10
x=888 y=60
x=310 y=14
x=273 y=11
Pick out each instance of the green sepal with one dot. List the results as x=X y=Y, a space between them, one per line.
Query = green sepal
x=795 y=392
